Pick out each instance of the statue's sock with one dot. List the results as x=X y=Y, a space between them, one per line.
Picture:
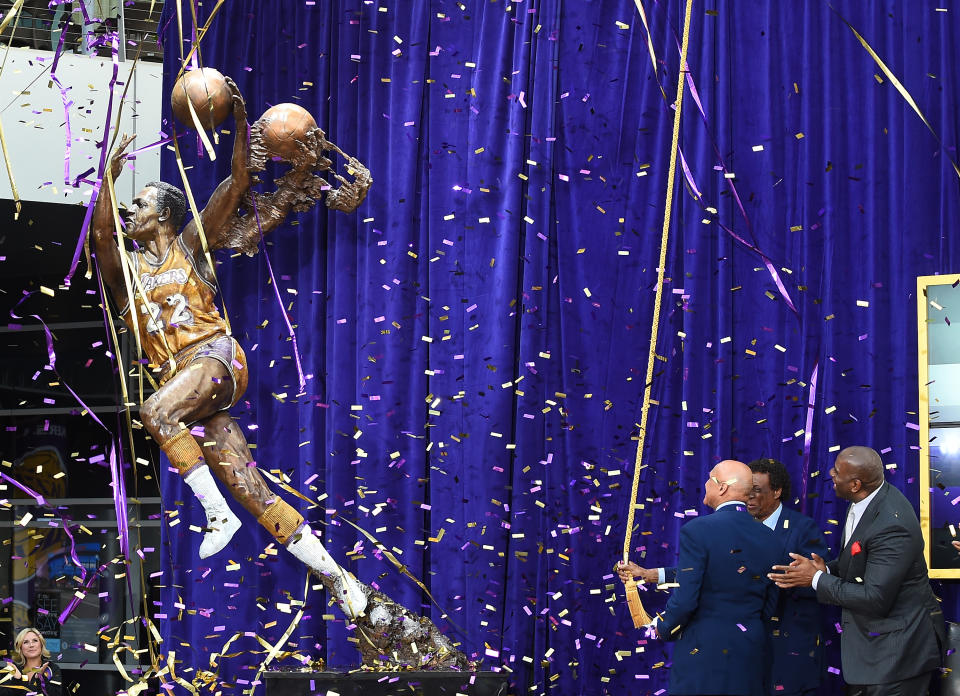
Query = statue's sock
x=342 y=585
x=222 y=524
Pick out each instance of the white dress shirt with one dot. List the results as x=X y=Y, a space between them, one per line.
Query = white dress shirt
x=774 y=517
x=856 y=510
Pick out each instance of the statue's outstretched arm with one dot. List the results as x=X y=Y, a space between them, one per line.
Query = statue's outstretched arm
x=218 y=215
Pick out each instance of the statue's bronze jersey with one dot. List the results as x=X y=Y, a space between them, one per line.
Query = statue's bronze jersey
x=179 y=312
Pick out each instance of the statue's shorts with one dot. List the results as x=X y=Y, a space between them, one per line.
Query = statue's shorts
x=223 y=349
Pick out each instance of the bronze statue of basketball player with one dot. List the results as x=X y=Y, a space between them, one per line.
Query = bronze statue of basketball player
x=201 y=369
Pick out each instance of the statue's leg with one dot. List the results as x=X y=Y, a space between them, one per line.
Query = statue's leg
x=388 y=633
x=191 y=395
x=226 y=450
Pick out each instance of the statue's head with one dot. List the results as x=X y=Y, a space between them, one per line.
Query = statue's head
x=172 y=198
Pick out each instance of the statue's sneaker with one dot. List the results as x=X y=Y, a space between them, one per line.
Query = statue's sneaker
x=220 y=531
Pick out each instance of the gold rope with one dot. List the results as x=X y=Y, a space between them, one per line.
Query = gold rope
x=640 y=617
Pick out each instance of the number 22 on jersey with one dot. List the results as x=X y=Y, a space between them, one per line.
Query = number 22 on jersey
x=180 y=314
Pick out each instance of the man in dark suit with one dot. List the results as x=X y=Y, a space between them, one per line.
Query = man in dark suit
x=797 y=647
x=797 y=656
x=893 y=631
x=718 y=613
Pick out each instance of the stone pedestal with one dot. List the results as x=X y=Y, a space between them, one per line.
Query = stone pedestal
x=344 y=683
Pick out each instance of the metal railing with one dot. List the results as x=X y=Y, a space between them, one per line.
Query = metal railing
x=40 y=26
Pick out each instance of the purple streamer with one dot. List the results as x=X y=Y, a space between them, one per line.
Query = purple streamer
x=276 y=291
x=66 y=115
x=85 y=230
x=26 y=489
x=689 y=176
x=771 y=269
x=120 y=502
x=808 y=433
x=116 y=468
x=75 y=601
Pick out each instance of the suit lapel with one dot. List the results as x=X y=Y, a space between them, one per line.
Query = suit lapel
x=863 y=527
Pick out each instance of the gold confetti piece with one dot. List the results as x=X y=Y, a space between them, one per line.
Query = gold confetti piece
x=834 y=448
x=46 y=291
x=780 y=348
x=863 y=303
x=830 y=409
x=798 y=136
x=758 y=148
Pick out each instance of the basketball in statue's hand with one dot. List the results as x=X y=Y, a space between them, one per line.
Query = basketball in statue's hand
x=285 y=125
x=209 y=93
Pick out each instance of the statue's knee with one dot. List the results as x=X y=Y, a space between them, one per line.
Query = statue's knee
x=157 y=418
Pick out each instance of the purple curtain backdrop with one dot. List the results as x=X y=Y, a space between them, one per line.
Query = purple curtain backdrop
x=476 y=334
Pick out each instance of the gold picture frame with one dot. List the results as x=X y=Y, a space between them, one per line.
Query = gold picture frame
x=939 y=421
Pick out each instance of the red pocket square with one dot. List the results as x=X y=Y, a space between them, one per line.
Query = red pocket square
x=855 y=548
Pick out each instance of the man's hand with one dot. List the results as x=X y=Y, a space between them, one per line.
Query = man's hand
x=799 y=573
x=631 y=571
x=239 y=106
x=956 y=545
x=119 y=155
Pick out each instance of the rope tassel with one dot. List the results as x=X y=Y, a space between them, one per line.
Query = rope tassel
x=637 y=612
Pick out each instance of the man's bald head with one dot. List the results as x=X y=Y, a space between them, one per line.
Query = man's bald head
x=729 y=480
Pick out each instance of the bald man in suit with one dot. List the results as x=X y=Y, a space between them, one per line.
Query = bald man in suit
x=719 y=612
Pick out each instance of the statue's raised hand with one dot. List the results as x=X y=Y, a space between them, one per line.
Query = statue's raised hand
x=239 y=105
x=120 y=155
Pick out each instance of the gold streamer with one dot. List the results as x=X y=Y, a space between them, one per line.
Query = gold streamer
x=171 y=664
x=13 y=13
x=201 y=131
x=128 y=278
x=637 y=612
x=274 y=649
x=200 y=34
x=653 y=55
x=900 y=88
x=373 y=540
x=197 y=218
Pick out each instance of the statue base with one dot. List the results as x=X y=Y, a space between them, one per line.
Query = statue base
x=407 y=683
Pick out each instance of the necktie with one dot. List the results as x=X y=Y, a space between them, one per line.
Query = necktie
x=850 y=525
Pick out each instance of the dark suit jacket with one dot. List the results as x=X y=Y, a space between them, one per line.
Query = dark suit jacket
x=892 y=625
x=718 y=613
x=797 y=644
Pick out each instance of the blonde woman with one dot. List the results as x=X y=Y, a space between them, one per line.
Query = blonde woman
x=31 y=670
